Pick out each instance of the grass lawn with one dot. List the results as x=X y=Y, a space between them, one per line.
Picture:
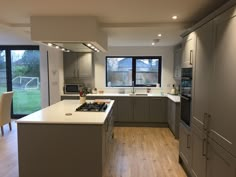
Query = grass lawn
x=25 y=101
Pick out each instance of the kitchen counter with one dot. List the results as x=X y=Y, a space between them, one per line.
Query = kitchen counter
x=174 y=98
x=56 y=114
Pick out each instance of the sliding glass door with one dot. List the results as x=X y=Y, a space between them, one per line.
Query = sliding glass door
x=3 y=73
x=23 y=77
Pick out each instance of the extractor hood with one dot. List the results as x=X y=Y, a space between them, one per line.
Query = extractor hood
x=71 y=32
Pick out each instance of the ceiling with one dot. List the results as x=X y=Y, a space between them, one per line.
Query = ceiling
x=127 y=22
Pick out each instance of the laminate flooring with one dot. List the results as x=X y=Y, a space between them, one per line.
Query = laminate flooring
x=136 y=152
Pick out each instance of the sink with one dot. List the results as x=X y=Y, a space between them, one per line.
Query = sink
x=138 y=94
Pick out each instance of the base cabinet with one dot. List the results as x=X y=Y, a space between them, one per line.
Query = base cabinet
x=157 y=110
x=185 y=145
x=219 y=162
x=198 y=152
x=173 y=117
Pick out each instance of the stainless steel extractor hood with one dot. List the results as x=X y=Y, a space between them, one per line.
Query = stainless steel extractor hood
x=71 y=32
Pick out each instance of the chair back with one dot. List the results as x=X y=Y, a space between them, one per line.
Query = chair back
x=5 y=107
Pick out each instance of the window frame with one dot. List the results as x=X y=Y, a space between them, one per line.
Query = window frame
x=134 y=58
x=8 y=49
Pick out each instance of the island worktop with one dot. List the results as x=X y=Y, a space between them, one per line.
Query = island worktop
x=64 y=112
x=50 y=143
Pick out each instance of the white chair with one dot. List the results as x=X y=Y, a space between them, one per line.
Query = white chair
x=5 y=110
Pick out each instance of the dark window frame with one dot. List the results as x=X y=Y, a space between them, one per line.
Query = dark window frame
x=134 y=58
x=8 y=49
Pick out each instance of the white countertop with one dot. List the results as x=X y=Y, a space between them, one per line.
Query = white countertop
x=174 y=98
x=56 y=114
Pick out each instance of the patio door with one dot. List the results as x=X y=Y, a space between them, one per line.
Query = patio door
x=23 y=77
x=3 y=73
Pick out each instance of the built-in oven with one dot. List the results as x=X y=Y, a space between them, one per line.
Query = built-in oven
x=186 y=95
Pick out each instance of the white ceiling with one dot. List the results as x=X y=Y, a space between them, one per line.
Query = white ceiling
x=127 y=22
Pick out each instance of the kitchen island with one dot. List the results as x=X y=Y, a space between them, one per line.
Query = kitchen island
x=58 y=141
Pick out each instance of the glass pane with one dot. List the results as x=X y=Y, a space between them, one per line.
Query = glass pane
x=119 y=72
x=3 y=79
x=25 y=81
x=147 y=71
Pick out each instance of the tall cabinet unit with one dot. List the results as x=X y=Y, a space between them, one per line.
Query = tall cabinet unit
x=223 y=96
x=213 y=135
x=201 y=87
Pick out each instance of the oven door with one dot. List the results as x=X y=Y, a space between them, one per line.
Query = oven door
x=185 y=109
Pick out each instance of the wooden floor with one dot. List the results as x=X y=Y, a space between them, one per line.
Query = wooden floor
x=137 y=152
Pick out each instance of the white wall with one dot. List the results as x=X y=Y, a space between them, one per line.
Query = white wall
x=56 y=75
x=167 y=54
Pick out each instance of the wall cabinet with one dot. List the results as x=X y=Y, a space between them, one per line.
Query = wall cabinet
x=77 y=65
x=177 y=63
x=188 y=53
x=173 y=117
x=185 y=145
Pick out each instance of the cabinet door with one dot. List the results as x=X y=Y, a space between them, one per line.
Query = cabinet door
x=171 y=115
x=189 y=45
x=223 y=86
x=70 y=61
x=140 y=109
x=85 y=65
x=198 y=149
x=177 y=64
x=184 y=145
x=201 y=74
x=157 y=110
x=125 y=109
x=219 y=162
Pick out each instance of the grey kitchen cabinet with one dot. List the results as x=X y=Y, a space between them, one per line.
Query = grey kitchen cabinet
x=185 y=145
x=202 y=70
x=219 y=161
x=140 y=107
x=157 y=110
x=77 y=65
x=198 y=152
x=125 y=109
x=223 y=82
x=70 y=62
x=85 y=64
x=173 y=117
x=188 y=53
x=177 y=63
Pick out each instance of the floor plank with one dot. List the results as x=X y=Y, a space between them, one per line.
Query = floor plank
x=136 y=152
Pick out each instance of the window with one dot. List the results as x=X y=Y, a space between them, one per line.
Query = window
x=19 y=72
x=126 y=71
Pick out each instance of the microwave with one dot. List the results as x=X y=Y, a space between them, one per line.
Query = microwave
x=71 y=88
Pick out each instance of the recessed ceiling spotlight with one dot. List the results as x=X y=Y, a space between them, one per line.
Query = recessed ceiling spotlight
x=174 y=17
x=98 y=50
x=50 y=44
x=89 y=45
x=57 y=47
x=63 y=49
x=68 y=51
x=153 y=43
x=159 y=35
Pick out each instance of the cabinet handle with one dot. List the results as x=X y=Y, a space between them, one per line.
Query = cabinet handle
x=188 y=146
x=203 y=147
x=205 y=121
x=191 y=54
